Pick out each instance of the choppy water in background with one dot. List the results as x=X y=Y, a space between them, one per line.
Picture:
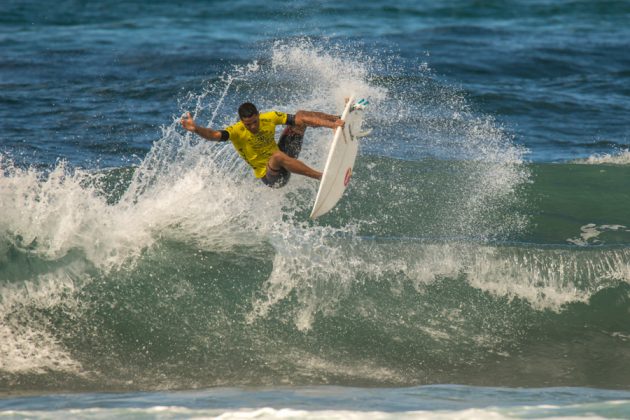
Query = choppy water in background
x=484 y=240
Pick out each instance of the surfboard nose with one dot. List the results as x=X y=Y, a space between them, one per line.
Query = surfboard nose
x=340 y=161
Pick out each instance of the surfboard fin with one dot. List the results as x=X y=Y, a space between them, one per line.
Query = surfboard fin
x=360 y=104
x=364 y=133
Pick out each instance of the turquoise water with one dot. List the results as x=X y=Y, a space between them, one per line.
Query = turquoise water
x=478 y=265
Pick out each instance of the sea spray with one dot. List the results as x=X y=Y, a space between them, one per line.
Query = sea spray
x=198 y=275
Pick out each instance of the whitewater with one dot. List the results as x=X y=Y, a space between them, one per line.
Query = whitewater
x=476 y=267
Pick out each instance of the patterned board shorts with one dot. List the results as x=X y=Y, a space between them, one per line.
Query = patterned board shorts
x=290 y=143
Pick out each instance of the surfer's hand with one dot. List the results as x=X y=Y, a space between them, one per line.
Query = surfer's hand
x=338 y=123
x=188 y=123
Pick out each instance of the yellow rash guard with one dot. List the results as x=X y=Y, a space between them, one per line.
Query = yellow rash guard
x=256 y=149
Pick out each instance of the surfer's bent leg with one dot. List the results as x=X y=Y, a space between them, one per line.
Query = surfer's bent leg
x=281 y=165
x=290 y=143
x=276 y=178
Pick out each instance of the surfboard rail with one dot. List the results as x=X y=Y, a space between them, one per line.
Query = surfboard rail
x=340 y=161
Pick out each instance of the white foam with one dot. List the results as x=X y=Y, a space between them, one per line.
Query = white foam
x=284 y=413
x=491 y=413
x=620 y=157
x=590 y=234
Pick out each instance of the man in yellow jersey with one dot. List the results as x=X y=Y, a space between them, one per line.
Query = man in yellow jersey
x=253 y=139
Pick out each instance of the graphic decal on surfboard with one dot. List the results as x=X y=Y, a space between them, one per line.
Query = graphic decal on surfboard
x=346 y=180
x=341 y=157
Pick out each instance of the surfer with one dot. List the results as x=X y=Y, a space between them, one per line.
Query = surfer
x=253 y=139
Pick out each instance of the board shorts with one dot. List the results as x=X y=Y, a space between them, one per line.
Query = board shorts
x=290 y=143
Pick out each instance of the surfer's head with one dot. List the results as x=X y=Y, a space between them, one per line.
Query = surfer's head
x=249 y=116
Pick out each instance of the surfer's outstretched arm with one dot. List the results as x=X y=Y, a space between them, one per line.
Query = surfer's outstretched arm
x=207 y=133
x=317 y=119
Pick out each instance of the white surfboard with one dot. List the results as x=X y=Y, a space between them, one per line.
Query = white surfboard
x=340 y=161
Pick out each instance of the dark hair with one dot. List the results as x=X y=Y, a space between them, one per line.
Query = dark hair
x=247 y=110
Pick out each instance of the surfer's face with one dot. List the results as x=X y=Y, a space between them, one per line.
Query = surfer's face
x=252 y=123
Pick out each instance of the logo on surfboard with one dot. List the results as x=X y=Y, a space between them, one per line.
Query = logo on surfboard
x=346 y=179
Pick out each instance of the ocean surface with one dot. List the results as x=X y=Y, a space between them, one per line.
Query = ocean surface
x=478 y=266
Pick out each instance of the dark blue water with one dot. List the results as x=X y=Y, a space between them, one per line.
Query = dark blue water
x=94 y=82
x=484 y=240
